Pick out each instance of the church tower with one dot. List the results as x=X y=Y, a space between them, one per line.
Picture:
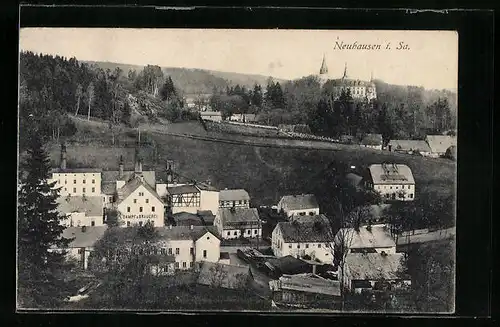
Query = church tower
x=323 y=72
x=345 y=72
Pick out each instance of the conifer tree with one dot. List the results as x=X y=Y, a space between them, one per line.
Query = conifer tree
x=39 y=229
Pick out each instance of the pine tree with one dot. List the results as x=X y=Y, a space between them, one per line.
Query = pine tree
x=39 y=229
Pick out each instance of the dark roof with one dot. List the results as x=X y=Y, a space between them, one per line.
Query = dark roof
x=76 y=170
x=351 y=82
x=233 y=195
x=372 y=139
x=111 y=176
x=354 y=179
x=91 y=205
x=182 y=189
x=108 y=187
x=187 y=219
x=290 y=265
x=239 y=217
x=131 y=186
x=305 y=232
x=169 y=232
x=391 y=173
x=374 y=266
x=298 y=202
x=234 y=277
x=84 y=239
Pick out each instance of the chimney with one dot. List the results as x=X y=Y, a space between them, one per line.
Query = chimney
x=120 y=167
x=84 y=229
x=63 y=156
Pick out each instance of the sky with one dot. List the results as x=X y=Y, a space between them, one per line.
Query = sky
x=431 y=59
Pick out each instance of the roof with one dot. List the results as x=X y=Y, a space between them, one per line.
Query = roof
x=391 y=174
x=210 y=113
x=206 y=216
x=91 y=205
x=377 y=210
x=310 y=283
x=182 y=189
x=249 y=116
x=206 y=187
x=407 y=145
x=224 y=255
x=354 y=179
x=84 y=239
x=229 y=276
x=185 y=232
x=240 y=217
x=290 y=265
x=76 y=170
x=378 y=237
x=439 y=143
x=372 y=139
x=374 y=266
x=233 y=195
x=305 y=232
x=111 y=176
x=131 y=186
x=298 y=202
x=186 y=219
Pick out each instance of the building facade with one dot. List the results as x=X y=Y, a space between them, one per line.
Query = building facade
x=190 y=198
x=233 y=223
x=295 y=206
x=392 y=181
x=238 y=198
x=81 y=210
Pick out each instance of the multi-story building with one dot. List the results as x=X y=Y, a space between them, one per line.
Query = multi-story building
x=312 y=238
x=238 y=198
x=295 y=206
x=358 y=89
x=192 y=198
x=392 y=181
x=81 y=210
x=235 y=222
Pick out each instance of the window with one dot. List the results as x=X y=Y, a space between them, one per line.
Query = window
x=302 y=213
x=191 y=264
x=239 y=202
x=235 y=233
x=204 y=254
x=83 y=181
x=140 y=209
x=390 y=187
x=80 y=251
x=408 y=186
x=163 y=251
x=110 y=198
x=255 y=231
x=74 y=189
x=74 y=181
x=298 y=246
x=152 y=209
x=65 y=189
x=248 y=231
x=184 y=264
x=191 y=251
x=319 y=245
x=83 y=189
x=311 y=213
x=176 y=265
x=152 y=222
x=92 y=223
x=326 y=253
x=307 y=245
x=411 y=196
x=228 y=233
x=128 y=209
x=177 y=250
x=289 y=246
x=128 y=223
x=93 y=181
x=65 y=181
x=170 y=251
x=147 y=200
x=135 y=200
x=93 y=190
x=140 y=223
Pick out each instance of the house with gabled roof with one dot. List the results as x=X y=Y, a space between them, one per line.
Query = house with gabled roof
x=312 y=237
x=372 y=141
x=410 y=147
x=298 y=205
x=393 y=181
x=366 y=239
x=234 y=198
x=440 y=143
x=238 y=222
x=81 y=210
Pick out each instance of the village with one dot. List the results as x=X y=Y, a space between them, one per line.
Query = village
x=289 y=253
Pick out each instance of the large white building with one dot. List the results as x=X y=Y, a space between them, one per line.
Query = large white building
x=295 y=206
x=235 y=222
x=311 y=237
x=392 y=181
x=357 y=88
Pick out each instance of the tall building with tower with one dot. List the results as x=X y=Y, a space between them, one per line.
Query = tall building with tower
x=358 y=89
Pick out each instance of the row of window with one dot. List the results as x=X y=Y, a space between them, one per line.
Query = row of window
x=390 y=187
x=177 y=266
x=311 y=213
x=65 y=175
x=140 y=223
x=135 y=200
x=74 y=181
x=248 y=232
x=400 y=195
x=169 y=251
x=233 y=203
x=140 y=208
x=83 y=189
x=307 y=245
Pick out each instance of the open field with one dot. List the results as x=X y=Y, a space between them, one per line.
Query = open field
x=266 y=168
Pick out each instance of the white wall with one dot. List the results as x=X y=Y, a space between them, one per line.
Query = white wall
x=384 y=189
x=134 y=216
x=209 y=201
x=235 y=233
x=296 y=214
x=79 y=219
x=77 y=183
x=209 y=243
x=321 y=251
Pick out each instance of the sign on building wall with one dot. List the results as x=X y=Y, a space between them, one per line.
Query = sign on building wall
x=141 y=216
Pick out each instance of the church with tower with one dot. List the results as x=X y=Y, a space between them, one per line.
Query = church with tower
x=359 y=89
